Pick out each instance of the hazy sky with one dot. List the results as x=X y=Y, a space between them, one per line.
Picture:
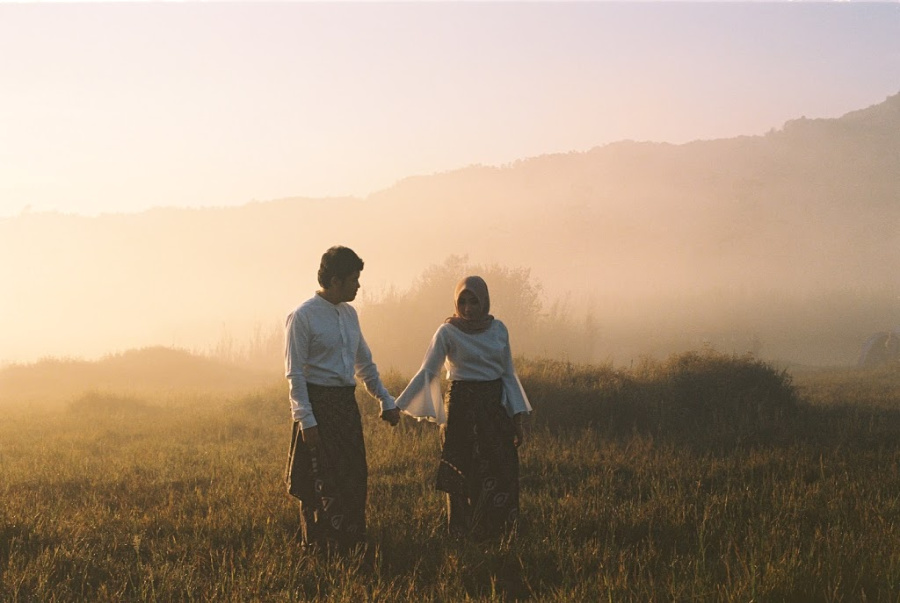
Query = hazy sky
x=116 y=107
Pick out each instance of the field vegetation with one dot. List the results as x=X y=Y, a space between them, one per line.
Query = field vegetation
x=703 y=477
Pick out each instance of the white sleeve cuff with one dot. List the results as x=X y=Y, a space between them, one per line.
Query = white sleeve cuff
x=305 y=417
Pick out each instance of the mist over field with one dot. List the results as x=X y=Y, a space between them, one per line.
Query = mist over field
x=785 y=245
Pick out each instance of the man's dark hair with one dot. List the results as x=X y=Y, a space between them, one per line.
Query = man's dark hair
x=338 y=261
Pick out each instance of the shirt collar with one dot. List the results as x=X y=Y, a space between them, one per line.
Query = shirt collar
x=325 y=303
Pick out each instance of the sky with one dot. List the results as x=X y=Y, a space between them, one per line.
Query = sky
x=122 y=106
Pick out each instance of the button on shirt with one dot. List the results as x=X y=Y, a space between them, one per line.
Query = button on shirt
x=324 y=346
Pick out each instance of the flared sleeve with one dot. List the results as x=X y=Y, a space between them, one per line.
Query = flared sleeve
x=514 y=399
x=422 y=398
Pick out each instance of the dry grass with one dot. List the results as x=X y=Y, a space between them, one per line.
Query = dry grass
x=705 y=477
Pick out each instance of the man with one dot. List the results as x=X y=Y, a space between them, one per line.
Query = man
x=324 y=352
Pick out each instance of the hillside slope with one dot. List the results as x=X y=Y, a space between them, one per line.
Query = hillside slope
x=804 y=210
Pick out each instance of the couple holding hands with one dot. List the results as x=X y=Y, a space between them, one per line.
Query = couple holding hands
x=481 y=422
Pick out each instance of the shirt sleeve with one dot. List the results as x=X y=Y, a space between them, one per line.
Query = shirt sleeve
x=422 y=398
x=514 y=399
x=367 y=371
x=296 y=351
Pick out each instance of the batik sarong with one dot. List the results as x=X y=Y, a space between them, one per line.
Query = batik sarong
x=331 y=482
x=479 y=467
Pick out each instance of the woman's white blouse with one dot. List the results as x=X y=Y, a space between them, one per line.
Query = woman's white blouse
x=482 y=356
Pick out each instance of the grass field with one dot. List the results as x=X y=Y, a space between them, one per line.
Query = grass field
x=702 y=478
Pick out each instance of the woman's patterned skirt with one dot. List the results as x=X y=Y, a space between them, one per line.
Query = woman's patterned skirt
x=479 y=467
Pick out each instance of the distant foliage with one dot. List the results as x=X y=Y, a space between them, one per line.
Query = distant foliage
x=263 y=351
x=703 y=396
x=399 y=325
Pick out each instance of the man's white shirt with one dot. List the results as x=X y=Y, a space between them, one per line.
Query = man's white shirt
x=325 y=346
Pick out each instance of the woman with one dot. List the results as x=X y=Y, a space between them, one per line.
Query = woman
x=482 y=425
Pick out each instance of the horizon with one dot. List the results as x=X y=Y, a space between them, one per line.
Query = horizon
x=741 y=244
x=107 y=120
x=172 y=119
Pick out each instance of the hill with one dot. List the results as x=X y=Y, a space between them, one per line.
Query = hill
x=149 y=374
x=694 y=236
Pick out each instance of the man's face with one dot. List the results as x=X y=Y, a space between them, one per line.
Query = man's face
x=347 y=287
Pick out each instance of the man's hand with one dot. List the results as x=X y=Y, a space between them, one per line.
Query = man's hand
x=392 y=416
x=311 y=437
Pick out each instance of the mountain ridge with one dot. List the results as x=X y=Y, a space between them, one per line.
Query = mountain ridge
x=806 y=209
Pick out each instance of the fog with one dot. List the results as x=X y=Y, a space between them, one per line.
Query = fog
x=783 y=245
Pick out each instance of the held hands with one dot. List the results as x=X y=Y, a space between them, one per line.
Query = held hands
x=392 y=416
x=311 y=434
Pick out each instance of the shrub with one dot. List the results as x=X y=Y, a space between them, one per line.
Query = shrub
x=701 y=397
x=726 y=397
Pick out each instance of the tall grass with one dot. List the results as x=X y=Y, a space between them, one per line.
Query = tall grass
x=705 y=477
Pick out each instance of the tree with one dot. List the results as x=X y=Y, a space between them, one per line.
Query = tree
x=400 y=325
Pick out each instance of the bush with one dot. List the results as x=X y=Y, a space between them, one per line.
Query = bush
x=694 y=397
x=724 y=396
x=399 y=325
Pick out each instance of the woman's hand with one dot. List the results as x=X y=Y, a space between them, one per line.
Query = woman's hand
x=518 y=422
x=311 y=437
